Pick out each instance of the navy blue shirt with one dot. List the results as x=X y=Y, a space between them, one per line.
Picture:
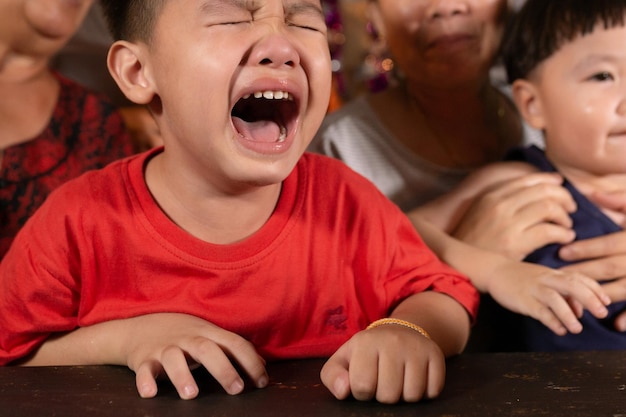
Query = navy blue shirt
x=588 y=222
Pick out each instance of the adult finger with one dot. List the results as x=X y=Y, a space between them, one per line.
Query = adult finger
x=598 y=247
x=532 y=187
x=614 y=201
x=602 y=269
x=620 y=322
x=616 y=290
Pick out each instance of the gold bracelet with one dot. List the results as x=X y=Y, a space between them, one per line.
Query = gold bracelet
x=399 y=323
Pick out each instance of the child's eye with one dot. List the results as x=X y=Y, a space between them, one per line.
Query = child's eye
x=602 y=76
x=305 y=26
x=308 y=27
x=236 y=22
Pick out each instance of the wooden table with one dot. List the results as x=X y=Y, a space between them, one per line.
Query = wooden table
x=502 y=384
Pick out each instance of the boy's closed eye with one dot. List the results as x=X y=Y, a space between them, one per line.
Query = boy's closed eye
x=306 y=16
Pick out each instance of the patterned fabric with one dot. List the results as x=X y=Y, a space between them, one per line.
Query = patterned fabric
x=85 y=132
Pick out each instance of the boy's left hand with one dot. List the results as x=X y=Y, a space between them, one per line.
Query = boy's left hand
x=389 y=363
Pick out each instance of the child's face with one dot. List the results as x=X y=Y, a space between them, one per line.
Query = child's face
x=38 y=29
x=242 y=86
x=581 y=94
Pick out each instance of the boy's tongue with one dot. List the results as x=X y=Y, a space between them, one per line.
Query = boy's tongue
x=260 y=131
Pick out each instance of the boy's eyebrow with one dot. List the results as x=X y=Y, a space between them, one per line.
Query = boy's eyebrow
x=295 y=7
x=292 y=7
x=595 y=58
x=209 y=6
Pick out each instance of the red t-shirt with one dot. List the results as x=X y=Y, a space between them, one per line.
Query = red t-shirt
x=334 y=256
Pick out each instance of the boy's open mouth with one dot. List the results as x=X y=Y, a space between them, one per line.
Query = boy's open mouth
x=265 y=116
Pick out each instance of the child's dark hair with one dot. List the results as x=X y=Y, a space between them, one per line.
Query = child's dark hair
x=131 y=19
x=541 y=27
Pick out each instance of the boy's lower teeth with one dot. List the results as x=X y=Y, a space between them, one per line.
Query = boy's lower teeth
x=283 y=134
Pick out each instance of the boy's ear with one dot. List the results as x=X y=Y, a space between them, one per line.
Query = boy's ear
x=130 y=72
x=528 y=102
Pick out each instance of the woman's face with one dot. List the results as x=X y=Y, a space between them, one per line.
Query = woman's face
x=446 y=43
x=39 y=28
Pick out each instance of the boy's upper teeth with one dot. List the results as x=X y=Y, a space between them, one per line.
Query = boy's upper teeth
x=270 y=95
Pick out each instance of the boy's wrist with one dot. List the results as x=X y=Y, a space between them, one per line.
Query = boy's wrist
x=399 y=322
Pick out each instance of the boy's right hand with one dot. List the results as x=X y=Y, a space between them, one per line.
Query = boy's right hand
x=169 y=344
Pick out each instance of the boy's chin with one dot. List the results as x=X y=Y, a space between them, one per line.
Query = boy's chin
x=270 y=177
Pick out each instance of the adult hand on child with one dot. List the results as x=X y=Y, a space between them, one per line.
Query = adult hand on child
x=168 y=343
x=615 y=200
x=519 y=216
x=553 y=297
x=603 y=258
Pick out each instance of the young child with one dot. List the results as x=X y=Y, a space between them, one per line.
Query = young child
x=567 y=63
x=228 y=247
x=51 y=129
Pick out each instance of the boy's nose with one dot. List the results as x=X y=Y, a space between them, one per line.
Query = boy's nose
x=275 y=50
x=621 y=107
x=447 y=8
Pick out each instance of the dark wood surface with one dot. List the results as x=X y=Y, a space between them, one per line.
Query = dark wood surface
x=502 y=384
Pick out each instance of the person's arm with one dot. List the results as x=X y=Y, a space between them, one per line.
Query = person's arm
x=556 y=298
x=157 y=345
x=392 y=362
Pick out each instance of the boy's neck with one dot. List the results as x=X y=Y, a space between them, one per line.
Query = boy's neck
x=206 y=213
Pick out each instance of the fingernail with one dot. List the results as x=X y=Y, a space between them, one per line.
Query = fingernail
x=236 y=387
x=340 y=388
x=190 y=391
x=262 y=382
x=565 y=252
x=147 y=391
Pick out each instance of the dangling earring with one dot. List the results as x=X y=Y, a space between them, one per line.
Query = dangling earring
x=378 y=64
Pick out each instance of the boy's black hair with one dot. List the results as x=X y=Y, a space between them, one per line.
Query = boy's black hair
x=541 y=27
x=131 y=19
